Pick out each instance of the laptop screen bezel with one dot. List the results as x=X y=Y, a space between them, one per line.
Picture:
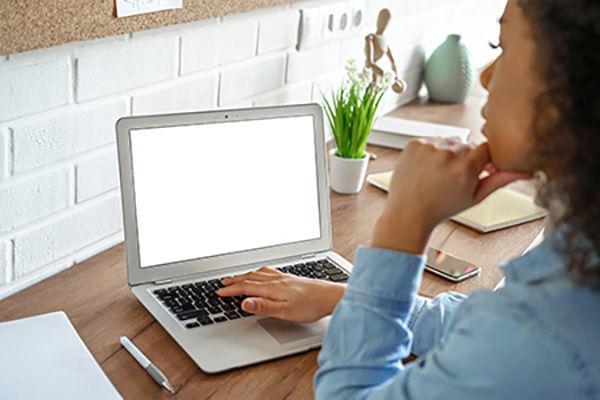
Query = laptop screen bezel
x=178 y=269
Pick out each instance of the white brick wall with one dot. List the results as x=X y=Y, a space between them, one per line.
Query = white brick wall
x=184 y=95
x=30 y=198
x=304 y=64
x=122 y=66
x=278 y=32
x=3 y=261
x=212 y=45
x=59 y=196
x=290 y=94
x=5 y=156
x=62 y=135
x=97 y=174
x=64 y=236
x=34 y=88
x=258 y=76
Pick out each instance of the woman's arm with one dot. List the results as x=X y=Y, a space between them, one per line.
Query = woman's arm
x=369 y=333
x=494 y=349
x=297 y=299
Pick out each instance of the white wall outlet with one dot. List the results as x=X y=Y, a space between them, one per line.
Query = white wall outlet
x=358 y=15
x=328 y=14
x=342 y=14
x=322 y=24
x=311 y=28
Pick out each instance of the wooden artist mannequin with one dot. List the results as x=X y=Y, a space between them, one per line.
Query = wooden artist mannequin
x=376 y=48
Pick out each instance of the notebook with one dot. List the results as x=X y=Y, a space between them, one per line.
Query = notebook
x=501 y=209
x=43 y=357
x=396 y=132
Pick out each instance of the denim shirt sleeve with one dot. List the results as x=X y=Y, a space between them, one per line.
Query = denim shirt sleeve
x=380 y=319
x=428 y=320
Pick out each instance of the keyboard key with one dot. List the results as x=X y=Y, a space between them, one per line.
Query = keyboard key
x=221 y=319
x=201 y=305
x=214 y=310
x=244 y=313
x=177 y=310
x=205 y=321
x=339 y=277
x=228 y=307
x=192 y=314
x=227 y=300
x=232 y=315
x=192 y=325
x=187 y=307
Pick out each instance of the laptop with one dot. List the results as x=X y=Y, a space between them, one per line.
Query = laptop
x=208 y=195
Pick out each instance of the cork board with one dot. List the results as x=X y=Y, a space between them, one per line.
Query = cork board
x=34 y=24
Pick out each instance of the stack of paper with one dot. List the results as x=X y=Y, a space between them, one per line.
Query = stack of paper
x=396 y=132
x=43 y=357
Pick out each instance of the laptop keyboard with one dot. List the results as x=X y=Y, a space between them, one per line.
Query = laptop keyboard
x=197 y=304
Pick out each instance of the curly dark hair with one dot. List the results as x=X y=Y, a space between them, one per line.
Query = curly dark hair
x=567 y=126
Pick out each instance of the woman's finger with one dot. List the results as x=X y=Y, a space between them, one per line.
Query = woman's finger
x=265 y=307
x=463 y=149
x=495 y=181
x=479 y=157
x=258 y=276
x=270 y=270
x=251 y=288
x=490 y=169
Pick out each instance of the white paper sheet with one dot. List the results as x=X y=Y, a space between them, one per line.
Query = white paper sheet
x=43 y=357
x=126 y=8
x=418 y=128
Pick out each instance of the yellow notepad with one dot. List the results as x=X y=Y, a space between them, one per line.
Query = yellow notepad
x=501 y=209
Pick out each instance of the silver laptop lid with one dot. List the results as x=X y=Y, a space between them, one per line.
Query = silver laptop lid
x=212 y=190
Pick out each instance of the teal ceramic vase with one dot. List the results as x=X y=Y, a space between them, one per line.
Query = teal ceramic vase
x=448 y=72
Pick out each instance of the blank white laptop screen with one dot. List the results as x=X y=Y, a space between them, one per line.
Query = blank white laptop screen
x=218 y=188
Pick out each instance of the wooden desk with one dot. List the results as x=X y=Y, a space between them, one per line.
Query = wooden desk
x=95 y=296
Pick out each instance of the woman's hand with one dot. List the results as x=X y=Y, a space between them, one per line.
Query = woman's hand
x=434 y=180
x=275 y=294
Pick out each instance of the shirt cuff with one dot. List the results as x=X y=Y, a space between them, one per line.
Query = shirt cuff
x=386 y=278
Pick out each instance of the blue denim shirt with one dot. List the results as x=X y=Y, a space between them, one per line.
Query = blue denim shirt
x=536 y=338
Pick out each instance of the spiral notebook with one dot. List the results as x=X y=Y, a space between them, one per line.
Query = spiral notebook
x=501 y=209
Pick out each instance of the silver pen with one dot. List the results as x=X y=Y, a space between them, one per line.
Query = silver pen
x=154 y=372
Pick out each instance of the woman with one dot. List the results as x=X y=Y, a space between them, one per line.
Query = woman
x=538 y=336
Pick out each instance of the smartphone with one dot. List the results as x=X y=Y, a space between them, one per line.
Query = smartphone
x=448 y=266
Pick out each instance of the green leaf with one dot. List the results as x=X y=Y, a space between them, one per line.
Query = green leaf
x=350 y=112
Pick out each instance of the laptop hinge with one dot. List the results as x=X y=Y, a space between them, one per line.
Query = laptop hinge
x=163 y=281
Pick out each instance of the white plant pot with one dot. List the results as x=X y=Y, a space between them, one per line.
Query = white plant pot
x=347 y=174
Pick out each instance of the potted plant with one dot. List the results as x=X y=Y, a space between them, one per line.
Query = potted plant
x=350 y=112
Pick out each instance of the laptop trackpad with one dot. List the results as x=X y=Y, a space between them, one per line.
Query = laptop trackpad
x=291 y=335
